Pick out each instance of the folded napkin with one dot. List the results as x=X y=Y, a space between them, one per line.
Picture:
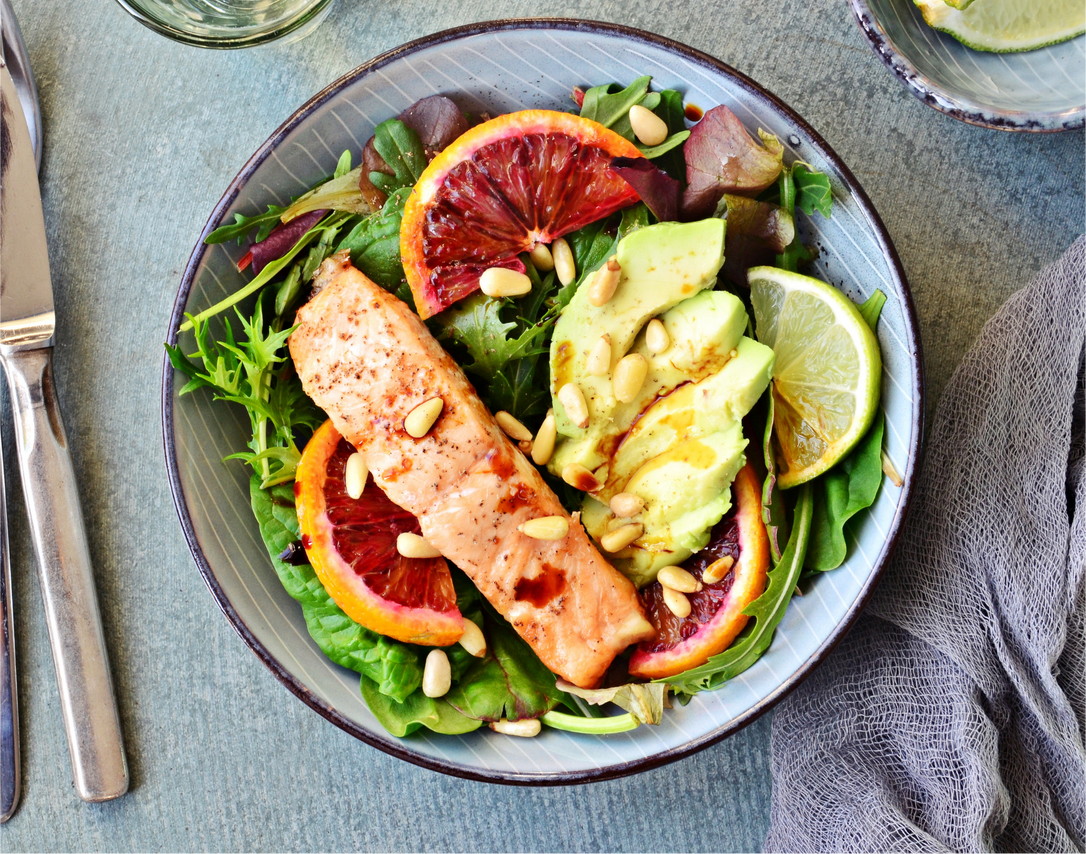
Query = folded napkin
x=952 y=716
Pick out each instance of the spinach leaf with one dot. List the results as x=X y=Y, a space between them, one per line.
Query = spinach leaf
x=767 y=611
x=394 y=668
x=374 y=243
x=845 y=490
x=402 y=150
x=416 y=710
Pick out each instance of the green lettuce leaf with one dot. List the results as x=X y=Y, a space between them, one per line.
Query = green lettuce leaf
x=646 y=702
x=813 y=191
x=374 y=243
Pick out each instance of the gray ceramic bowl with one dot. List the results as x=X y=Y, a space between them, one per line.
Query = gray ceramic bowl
x=500 y=67
x=1038 y=90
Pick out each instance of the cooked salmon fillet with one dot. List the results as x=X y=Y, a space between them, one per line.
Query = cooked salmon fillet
x=367 y=360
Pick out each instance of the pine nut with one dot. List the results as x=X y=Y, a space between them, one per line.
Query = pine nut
x=626 y=504
x=512 y=428
x=436 y=675
x=563 y=261
x=604 y=282
x=619 y=538
x=412 y=545
x=525 y=446
x=472 y=640
x=543 y=446
x=541 y=257
x=580 y=478
x=572 y=398
x=355 y=475
x=676 y=602
x=545 y=528
x=648 y=127
x=598 y=362
x=679 y=579
x=500 y=282
x=891 y=472
x=527 y=728
x=420 y=419
x=718 y=569
x=630 y=373
x=656 y=337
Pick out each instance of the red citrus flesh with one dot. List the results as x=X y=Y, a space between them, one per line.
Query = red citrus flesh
x=502 y=188
x=351 y=544
x=716 y=611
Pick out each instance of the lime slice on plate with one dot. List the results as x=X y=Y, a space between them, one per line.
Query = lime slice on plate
x=827 y=372
x=1005 y=26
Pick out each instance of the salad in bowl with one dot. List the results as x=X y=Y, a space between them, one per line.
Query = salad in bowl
x=548 y=418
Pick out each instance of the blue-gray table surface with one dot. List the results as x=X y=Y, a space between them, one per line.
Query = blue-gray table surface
x=141 y=138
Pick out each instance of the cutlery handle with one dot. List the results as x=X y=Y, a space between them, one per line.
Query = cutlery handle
x=88 y=708
x=10 y=774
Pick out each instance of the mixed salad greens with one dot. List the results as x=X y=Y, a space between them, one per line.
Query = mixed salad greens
x=502 y=344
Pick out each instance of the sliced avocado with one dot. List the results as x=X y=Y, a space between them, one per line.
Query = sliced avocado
x=662 y=265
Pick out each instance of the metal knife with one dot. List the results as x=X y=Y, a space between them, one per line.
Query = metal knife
x=88 y=707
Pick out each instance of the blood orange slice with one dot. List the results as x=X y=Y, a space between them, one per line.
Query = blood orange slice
x=351 y=544
x=500 y=189
x=716 y=611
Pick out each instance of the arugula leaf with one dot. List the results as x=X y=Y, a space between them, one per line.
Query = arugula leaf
x=242 y=225
x=813 y=191
x=845 y=490
x=795 y=253
x=401 y=148
x=374 y=243
x=871 y=308
x=774 y=505
x=393 y=667
x=654 y=151
x=767 y=611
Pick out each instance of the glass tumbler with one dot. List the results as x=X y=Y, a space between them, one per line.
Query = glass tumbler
x=228 y=23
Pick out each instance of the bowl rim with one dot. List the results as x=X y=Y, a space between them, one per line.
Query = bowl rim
x=963 y=109
x=401 y=748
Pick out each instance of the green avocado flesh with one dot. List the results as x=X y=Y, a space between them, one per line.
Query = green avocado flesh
x=679 y=443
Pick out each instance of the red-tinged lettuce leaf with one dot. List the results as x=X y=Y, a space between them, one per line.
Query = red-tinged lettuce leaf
x=756 y=232
x=282 y=239
x=721 y=157
x=658 y=190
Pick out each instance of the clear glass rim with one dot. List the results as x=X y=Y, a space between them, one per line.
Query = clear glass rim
x=244 y=38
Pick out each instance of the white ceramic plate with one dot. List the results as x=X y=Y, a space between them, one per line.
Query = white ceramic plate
x=500 y=67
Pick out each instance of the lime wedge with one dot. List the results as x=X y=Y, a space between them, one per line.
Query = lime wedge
x=827 y=372
x=1005 y=26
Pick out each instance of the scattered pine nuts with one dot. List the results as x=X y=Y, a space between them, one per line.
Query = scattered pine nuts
x=500 y=282
x=630 y=373
x=545 y=528
x=626 y=504
x=437 y=675
x=598 y=362
x=412 y=545
x=716 y=571
x=648 y=127
x=580 y=478
x=562 y=256
x=355 y=475
x=891 y=472
x=619 y=538
x=679 y=579
x=656 y=337
x=527 y=728
x=472 y=640
x=525 y=446
x=512 y=428
x=541 y=257
x=420 y=419
x=572 y=398
x=604 y=282
x=676 y=602
x=543 y=446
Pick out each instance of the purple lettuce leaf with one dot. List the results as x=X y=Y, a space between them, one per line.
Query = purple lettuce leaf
x=282 y=239
x=721 y=157
x=756 y=232
x=658 y=190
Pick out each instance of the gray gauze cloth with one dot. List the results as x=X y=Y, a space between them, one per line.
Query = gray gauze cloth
x=952 y=716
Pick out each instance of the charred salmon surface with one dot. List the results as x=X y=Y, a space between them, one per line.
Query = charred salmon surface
x=366 y=359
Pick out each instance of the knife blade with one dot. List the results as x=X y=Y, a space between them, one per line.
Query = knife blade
x=27 y=324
